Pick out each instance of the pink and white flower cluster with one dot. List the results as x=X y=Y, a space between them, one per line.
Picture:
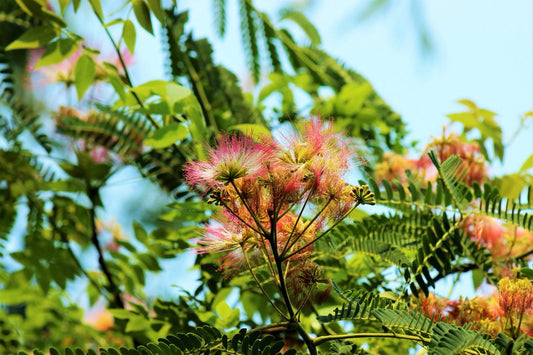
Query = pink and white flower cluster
x=277 y=196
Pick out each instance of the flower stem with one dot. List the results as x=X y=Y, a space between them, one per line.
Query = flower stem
x=296 y=223
x=322 y=234
x=252 y=214
x=239 y=218
x=306 y=298
x=92 y=193
x=320 y=340
x=305 y=230
x=260 y=285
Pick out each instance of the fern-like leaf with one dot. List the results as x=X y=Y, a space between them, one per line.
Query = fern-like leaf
x=249 y=37
x=202 y=340
x=452 y=172
x=360 y=306
x=117 y=131
x=440 y=245
x=449 y=339
x=491 y=204
x=406 y=322
x=219 y=7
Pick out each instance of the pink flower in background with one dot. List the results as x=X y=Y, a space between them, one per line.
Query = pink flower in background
x=446 y=146
x=484 y=229
x=64 y=72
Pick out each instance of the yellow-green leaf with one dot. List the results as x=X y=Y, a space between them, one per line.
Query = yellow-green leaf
x=113 y=22
x=84 y=74
x=155 y=5
x=121 y=313
x=169 y=91
x=57 y=51
x=528 y=164
x=97 y=7
x=38 y=9
x=76 y=4
x=228 y=317
x=34 y=38
x=167 y=135
x=63 y=5
x=142 y=13
x=129 y=35
x=310 y=30
x=254 y=131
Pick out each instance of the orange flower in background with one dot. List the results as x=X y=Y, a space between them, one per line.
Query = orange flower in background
x=515 y=296
x=470 y=153
x=99 y=318
x=393 y=167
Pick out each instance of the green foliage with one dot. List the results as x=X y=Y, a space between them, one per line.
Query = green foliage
x=54 y=196
x=481 y=121
x=204 y=340
x=360 y=307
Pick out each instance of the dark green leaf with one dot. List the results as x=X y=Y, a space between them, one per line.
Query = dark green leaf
x=142 y=13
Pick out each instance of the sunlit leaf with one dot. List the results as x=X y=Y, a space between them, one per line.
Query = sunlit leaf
x=34 y=38
x=57 y=51
x=155 y=5
x=97 y=7
x=302 y=21
x=528 y=164
x=84 y=74
x=254 y=131
x=167 y=135
x=129 y=35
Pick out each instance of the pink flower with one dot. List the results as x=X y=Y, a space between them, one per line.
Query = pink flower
x=217 y=238
x=234 y=157
x=318 y=155
x=264 y=187
x=446 y=146
x=224 y=237
x=485 y=230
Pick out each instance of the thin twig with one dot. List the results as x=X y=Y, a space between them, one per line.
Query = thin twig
x=260 y=285
x=113 y=288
